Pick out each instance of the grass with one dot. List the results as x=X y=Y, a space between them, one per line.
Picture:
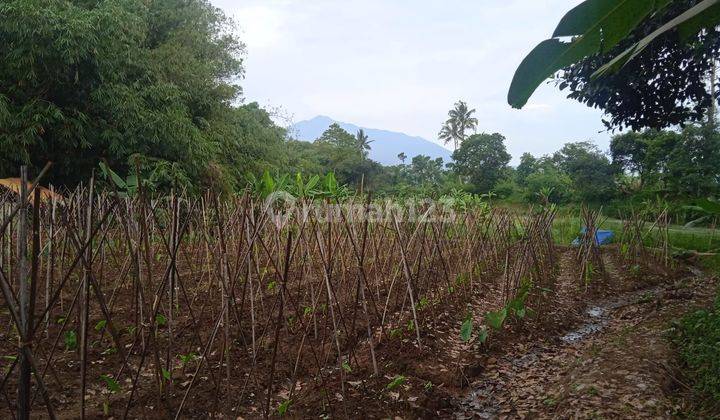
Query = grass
x=697 y=337
x=567 y=228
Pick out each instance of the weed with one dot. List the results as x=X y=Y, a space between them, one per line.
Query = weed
x=71 y=340
x=160 y=320
x=283 y=408
x=396 y=333
x=396 y=382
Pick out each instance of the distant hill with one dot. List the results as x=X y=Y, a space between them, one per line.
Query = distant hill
x=385 y=147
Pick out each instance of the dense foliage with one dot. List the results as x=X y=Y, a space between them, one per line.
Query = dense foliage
x=89 y=80
x=697 y=336
x=154 y=86
x=482 y=158
x=665 y=85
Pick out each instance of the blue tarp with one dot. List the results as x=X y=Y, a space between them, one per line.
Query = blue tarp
x=602 y=237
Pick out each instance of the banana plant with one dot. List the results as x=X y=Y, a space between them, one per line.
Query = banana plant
x=125 y=187
x=306 y=189
x=596 y=26
x=708 y=208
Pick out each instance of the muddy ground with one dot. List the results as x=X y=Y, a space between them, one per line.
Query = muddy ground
x=597 y=351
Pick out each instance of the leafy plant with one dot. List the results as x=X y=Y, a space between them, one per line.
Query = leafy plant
x=396 y=382
x=166 y=374
x=410 y=326
x=423 y=303
x=466 y=330
x=11 y=359
x=100 y=325
x=596 y=27
x=396 y=333
x=284 y=407
x=461 y=279
x=160 y=320
x=483 y=335
x=125 y=187
x=187 y=358
x=496 y=319
x=697 y=336
x=112 y=385
x=71 y=341
x=271 y=286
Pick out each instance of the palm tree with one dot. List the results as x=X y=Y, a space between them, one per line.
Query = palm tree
x=448 y=133
x=460 y=120
x=362 y=142
x=402 y=156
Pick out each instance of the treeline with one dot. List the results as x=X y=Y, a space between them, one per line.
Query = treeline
x=140 y=84
x=153 y=87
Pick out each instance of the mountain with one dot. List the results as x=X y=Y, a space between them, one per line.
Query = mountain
x=386 y=145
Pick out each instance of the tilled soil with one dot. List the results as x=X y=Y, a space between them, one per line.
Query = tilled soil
x=614 y=364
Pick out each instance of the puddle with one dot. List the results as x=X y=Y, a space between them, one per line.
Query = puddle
x=597 y=320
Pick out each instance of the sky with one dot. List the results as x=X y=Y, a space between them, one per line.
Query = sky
x=401 y=64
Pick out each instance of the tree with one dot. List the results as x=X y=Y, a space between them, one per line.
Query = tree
x=85 y=80
x=528 y=165
x=363 y=143
x=590 y=170
x=459 y=121
x=424 y=170
x=693 y=166
x=614 y=33
x=669 y=83
x=337 y=151
x=337 y=136
x=548 y=185
x=250 y=141
x=482 y=158
x=402 y=156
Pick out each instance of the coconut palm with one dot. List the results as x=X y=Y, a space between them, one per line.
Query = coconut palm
x=402 y=156
x=459 y=122
x=362 y=142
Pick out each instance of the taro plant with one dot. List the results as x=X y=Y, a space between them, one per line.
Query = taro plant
x=185 y=360
x=496 y=319
x=111 y=387
x=466 y=329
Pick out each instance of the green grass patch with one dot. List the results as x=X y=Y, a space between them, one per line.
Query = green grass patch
x=697 y=337
x=567 y=227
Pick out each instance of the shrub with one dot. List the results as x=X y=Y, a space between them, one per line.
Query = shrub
x=697 y=336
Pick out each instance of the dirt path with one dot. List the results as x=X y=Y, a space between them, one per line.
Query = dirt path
x=615 y=364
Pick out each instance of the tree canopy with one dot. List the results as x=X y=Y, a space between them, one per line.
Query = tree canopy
x=156 y=81
x=482 y=158
x=644 y=62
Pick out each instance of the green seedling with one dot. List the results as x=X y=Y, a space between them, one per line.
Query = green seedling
x=396 y=382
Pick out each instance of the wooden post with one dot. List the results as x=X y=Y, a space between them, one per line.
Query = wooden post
x=24 y=391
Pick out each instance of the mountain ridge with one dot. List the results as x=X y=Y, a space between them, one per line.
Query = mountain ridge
x=386 y=144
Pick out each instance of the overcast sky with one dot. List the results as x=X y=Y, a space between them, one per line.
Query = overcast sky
x=401 y=64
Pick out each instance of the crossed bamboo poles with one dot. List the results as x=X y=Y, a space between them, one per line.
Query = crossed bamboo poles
x=265 y=306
